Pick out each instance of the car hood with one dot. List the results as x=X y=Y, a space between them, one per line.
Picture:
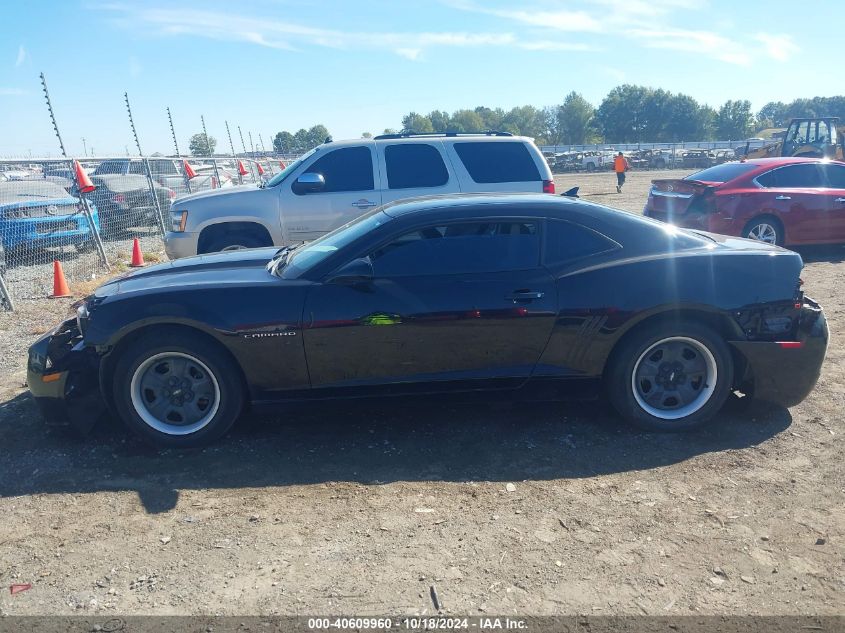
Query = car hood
x=246 y=266
x=214 y=193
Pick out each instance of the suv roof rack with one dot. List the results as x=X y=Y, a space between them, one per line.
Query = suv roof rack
x=411 y=133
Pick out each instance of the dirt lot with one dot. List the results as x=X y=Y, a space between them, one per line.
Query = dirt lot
x=360 y=509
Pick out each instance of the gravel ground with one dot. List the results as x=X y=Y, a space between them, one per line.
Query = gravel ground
x=361 y=508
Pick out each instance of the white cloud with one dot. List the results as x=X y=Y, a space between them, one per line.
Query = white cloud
x=22 y=55
x=778 y=47
x=411 y=53
x=551 y=45
x=12 y=92
x=701 y=42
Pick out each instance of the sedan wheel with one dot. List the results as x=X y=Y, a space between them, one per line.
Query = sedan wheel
x=670 y=376
x=674 y=378
x=177 y=388
x=175 y=393
x=763 y=232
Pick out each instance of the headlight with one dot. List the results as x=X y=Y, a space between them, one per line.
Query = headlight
x=178 y=219
x=82 y=318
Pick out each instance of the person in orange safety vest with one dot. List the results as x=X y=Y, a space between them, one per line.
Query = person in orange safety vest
x=620 y=166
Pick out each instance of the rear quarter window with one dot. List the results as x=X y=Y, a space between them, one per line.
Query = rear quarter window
x=502 y=161
x=413 y=165
x=566 y=241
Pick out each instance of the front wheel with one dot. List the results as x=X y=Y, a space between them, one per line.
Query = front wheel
x=670 y=377
x=177 y=389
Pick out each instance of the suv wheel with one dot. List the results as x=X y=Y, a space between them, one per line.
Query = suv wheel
x=234 y=242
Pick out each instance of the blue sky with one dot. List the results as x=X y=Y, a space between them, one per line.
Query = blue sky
x=269 y=65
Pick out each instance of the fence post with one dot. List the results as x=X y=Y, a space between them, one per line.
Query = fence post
x=151 y=184
x=216 y=173
x=86 y=211
x=5 y=297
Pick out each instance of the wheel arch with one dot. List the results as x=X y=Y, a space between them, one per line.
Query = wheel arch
x=216 y=229
x=718 y=321
x=109 y=360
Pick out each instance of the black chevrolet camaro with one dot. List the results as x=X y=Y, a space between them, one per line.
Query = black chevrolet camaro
x=529 y=293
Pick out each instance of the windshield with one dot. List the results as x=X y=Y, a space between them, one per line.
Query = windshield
x=721 y=173
x=275 y=180
x=304 y=257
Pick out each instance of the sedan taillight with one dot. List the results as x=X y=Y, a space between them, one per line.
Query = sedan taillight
x=548 y=186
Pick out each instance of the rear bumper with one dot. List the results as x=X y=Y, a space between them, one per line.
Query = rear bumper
x=62 y=376
x=785 y=373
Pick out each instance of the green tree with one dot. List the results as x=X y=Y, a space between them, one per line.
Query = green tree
x=439 y=120
x=200 y=145
x=574 y=119
x=389 y=130
x=317 y=135
x=734 y=120
x=366 y=135
x=620 y=116
x=466 y=121
x=773 y=112
x=418 y=123
x=283 y=143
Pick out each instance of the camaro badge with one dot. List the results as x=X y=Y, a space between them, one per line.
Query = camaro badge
x=268 y=334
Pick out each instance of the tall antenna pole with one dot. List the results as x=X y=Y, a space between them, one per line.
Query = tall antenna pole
x=229 y=134
x=205 y=133
x=251 y=144
x=261 y=140
x=52 y=116
x=173 y=133
x=132 y=125
x=242 y=138
x=84 y=147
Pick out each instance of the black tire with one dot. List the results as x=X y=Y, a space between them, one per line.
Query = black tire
x=690 y=336
x=234 y=241
x=178 y=344
x=758 y=224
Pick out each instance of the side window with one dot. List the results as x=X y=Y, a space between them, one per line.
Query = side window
x=345 y=169
x=792 y=177
x=461 y=248
x=834 y=176
x=498 y=161
x=137 y=167
x=566 y=241
x=412 y=165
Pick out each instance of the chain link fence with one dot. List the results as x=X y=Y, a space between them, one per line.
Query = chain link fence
x=45 y=217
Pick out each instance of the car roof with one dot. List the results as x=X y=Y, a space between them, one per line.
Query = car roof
x=485 y=138
x=778 y=161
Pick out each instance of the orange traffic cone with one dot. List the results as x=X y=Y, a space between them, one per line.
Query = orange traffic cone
x=260 y=169
x=189 y=171
x=60 y=288
x=282 y=164
x=137 y=256
x=82 y=179
x=241 y=169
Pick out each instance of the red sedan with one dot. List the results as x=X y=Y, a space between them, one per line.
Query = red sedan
x=776 y=200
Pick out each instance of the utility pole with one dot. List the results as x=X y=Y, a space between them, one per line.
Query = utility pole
x=229 y=134
x=173 y=132
x=242 y=139
x=205 y=133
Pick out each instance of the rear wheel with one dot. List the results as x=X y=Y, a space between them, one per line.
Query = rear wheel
x=670 y=377
x=177 y=389
x=766 y=229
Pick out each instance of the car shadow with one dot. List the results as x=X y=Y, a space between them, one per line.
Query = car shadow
x=366 y=442
x=831 y=253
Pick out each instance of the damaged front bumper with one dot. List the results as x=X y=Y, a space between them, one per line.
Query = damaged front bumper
x=63 y=377
x=785 y=372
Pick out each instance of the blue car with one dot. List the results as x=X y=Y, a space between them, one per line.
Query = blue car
x=38 y=214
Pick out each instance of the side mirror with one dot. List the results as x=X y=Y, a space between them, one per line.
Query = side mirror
x=354 y=272
x=309 y=182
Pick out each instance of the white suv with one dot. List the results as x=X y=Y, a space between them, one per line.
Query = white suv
x=337 y=181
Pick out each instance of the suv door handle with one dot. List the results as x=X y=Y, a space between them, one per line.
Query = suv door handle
x=524 y=295
x=363 y=204
x=783 y=198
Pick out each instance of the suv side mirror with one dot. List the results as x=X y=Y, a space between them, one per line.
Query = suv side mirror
x=354 y=272
x=309 y=182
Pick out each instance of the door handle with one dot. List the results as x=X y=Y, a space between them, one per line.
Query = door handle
x=524 y=295
x=363 y=204
x=783 y=198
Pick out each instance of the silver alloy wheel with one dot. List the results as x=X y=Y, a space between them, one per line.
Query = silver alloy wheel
x=763 y=232
x=674 y=378
x=175 y=393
